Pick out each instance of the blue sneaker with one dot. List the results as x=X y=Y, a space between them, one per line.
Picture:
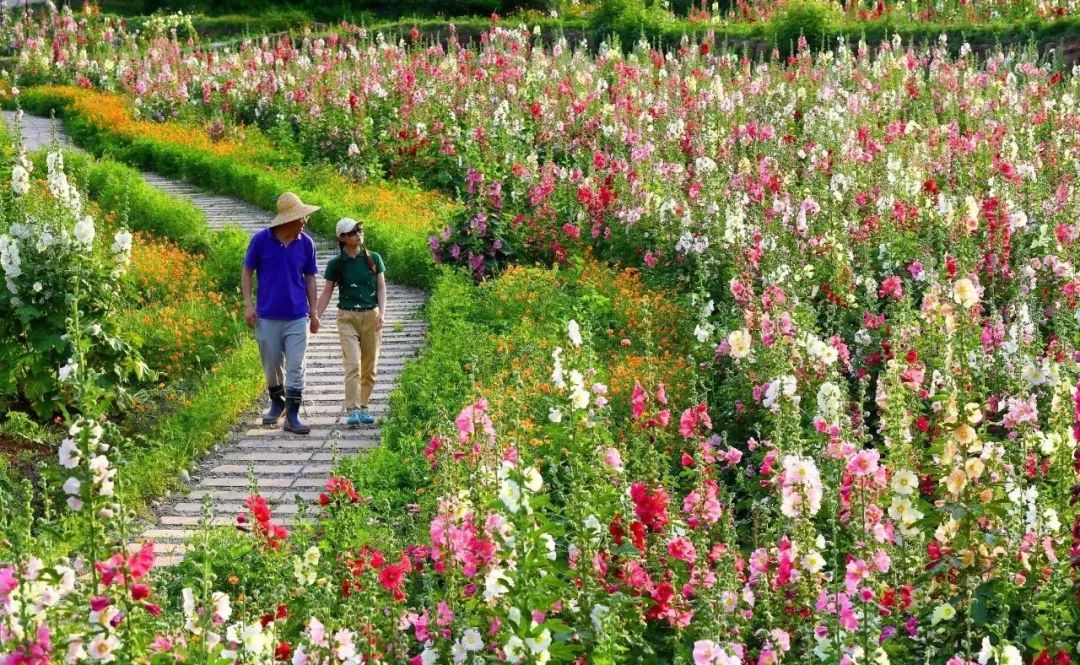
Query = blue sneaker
x=366 y=418
x=354 y=418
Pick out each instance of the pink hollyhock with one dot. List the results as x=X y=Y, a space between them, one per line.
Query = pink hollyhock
x=661 y=394
x=682 y=549
x=864 y=463
x=692 y=418
x=855 y=573
x=142 y=561
x=613 y=458
x=8 y=582
x=1076 y=416
x=471 y=416
x=638 y=400
x=420 y=625
x=445 y=615
x=161 y=644
x=703 y=505
x=891 y=288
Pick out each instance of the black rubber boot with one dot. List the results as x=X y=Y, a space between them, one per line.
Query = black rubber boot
x=277 y=405
x=293 y=398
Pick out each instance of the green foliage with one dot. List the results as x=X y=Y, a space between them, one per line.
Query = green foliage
x=811 y=19
x=630 y=20
x=219 y=398
x=225 y=257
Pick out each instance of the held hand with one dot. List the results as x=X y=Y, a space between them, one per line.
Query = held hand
x=250 y=316
x=315 y=324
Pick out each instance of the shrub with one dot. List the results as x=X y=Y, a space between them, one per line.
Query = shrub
x=807 y=19
x=59 y=272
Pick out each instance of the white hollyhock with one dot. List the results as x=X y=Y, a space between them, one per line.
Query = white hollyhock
x=20 y=180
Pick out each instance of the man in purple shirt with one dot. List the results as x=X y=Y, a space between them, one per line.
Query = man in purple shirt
x=282 y=257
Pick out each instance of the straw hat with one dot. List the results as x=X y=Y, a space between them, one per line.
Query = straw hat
x=290 y=208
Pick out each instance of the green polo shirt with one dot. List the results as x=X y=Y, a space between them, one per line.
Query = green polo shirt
x=356 y=283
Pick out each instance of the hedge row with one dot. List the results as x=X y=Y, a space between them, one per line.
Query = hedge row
x=758 y=39
x=333 y=10
x=256 y=176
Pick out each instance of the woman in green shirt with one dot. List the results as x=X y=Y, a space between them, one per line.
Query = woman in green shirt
x=361 y=307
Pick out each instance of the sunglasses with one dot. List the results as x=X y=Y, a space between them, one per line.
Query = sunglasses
x=355 y=232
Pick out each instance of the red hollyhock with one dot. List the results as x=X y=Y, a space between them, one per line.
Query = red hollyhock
x=392 y=577
x=283 y=652
x=650 y=506
x=139 y=591
x=260 y=510
x=616 y=530
x=637 y=535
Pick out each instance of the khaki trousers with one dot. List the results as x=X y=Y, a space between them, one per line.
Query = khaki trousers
x=360 y=347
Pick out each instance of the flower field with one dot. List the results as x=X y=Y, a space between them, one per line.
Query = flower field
x=796 y=379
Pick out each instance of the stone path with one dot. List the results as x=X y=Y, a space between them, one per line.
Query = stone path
x=288 y=467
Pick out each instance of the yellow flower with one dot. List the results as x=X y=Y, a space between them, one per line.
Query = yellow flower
x=974 y=413
x=740 y=342
x=956 y=481
x=965 y=434
x=965 y=293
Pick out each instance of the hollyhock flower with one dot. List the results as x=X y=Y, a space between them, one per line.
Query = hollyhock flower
x=650 y=506
x=471 y=640
x=103 y=647
x=20 y=180
x=316 y=632
x=943 y=612
x=904 y=482
x=739 y=343
x=891 y=288
x=638 y=400
x=574 y=332
x=682 y=549
x=692 y=418
x=864 y=463
x=344 y=647
x=965 y=293
x=472 y=416
x=392 y=577
x=495 y=584
x=69 y=454
x=706 y=652
x=613 y=458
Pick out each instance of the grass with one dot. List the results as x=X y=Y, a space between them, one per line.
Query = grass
x=204 y=418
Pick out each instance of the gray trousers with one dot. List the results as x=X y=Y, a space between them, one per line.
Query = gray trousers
x=283 y=345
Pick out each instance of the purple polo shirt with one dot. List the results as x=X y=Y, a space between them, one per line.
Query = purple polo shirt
x=280 y=271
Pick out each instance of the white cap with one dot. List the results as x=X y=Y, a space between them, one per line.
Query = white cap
x=346 y=224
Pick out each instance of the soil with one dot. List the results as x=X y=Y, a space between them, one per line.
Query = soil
x=23 y=456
